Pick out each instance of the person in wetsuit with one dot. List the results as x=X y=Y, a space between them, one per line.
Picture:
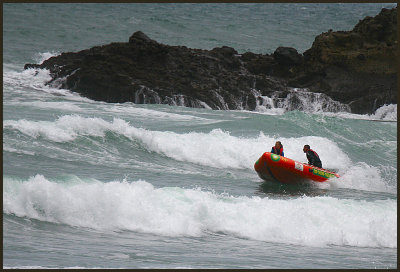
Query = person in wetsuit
x=312 y=156
x=278 y=149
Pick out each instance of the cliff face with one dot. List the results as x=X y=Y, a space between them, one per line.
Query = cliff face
x=357 y=67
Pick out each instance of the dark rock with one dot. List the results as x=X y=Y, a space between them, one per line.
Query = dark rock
x=225 y=51
x=287 y=56
x=286 y=59
x=139 y=36
x=259 y=64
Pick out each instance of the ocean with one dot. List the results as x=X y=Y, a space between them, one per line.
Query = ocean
x=89 y=184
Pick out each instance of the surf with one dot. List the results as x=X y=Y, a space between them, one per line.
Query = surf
x=172 y=211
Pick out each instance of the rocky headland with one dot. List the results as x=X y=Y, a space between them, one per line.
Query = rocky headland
x=357 y=68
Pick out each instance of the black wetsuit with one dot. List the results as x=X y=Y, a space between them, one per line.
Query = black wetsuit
x=313 y=158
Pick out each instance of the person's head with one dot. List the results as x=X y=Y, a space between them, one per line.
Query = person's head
x=278 y=145
x=306 y=148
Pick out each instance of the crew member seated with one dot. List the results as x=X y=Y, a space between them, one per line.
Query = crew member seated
x=278 y=149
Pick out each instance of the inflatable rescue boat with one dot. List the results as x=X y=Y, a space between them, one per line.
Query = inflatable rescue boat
x=272 y=167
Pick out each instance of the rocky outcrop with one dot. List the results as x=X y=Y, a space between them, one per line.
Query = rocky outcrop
x=145 y=71
x=357 y=67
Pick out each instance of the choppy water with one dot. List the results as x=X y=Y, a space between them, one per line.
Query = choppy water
x=94 y=185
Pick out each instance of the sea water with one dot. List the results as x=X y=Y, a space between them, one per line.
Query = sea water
x=88 y=184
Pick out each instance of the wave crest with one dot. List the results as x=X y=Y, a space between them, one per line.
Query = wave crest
x=171 y=211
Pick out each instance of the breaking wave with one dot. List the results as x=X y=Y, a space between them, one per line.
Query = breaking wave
x=139 y=206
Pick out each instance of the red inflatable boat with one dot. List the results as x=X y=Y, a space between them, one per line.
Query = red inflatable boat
x=272 y=167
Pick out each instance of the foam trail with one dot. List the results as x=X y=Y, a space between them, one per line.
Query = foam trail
x=361 y=176
x=171 y=211
x=364 y=177
x=48 y=105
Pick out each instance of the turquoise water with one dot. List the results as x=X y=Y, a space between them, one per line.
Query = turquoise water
x=88 y=184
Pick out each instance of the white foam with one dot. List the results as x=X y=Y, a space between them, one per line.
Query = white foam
x=216 y=148
x=34 y=78
x=171 y=211
x=20 y=81
x=361 y=176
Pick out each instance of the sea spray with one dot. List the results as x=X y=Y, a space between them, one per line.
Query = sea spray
x=362 y=177
x=297 y=99
x=172 y=211
x=42 y=56
x=34 y=80
x=386 y=113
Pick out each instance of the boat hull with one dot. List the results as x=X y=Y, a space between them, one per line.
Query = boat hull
x=272 y=167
